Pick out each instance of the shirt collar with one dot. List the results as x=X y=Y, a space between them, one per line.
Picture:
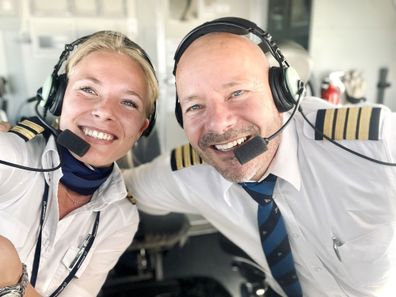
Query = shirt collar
x=285 y=162
x=284 y=165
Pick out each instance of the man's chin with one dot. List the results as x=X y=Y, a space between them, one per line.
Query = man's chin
x=232 y=170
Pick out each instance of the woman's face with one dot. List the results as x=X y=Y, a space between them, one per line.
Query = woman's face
x=104 y=104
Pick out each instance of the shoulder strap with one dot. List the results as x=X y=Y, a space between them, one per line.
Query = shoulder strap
x=184 y=156
x=348 y=123
x=29 y=128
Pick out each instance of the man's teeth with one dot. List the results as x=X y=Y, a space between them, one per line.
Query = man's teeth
x=97 y=134
x=227 y=146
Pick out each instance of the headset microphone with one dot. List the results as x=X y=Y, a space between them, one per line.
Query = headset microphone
x=251 y=149
x=258 y=145
x=72 y=142
x=65 y=138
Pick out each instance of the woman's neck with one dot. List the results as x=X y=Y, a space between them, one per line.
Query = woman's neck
x=69 y=200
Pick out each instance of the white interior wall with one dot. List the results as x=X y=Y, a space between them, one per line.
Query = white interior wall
x=355 y=34
x=3 y=64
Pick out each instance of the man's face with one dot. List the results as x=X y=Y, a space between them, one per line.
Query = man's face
x=105 y=104
x=222 y=85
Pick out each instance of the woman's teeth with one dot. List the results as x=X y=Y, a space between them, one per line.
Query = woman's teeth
x=230 y=145
x=98 y=134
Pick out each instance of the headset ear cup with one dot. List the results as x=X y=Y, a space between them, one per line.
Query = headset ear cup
x=151 y=124
x=44 y=91
x=178 y=112
x=58 y=93
x=282 y=97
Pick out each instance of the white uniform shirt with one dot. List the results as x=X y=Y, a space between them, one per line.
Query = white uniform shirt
x=21 y=195
x=323 y=192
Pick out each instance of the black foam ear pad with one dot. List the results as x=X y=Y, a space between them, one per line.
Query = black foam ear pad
x=283 y=99
x=55 y=99
x=152 y=119
x=178 y=112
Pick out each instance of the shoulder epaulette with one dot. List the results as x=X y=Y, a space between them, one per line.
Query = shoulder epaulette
x=184 y=156
x=348 y=123
x=28 y=128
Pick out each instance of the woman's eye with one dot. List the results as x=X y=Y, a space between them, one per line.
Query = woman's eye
x=88 y=90
x=130 y=103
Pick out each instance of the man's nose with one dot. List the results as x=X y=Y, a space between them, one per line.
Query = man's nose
x=219 y=117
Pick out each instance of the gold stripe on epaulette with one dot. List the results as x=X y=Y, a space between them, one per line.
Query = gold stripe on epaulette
x=184 y=156
x=328 y=122
x=364 y=122
x=350 y=123
x=340 y=124
x=196 y=158
x=179 y=157
x=39 y=129
x=25 y=133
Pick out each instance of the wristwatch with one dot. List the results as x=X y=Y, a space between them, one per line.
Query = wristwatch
x=17 y=290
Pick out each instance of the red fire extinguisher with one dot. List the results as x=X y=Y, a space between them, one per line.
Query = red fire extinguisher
x=331 y=93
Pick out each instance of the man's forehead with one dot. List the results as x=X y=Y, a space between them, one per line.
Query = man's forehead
x=219 y=38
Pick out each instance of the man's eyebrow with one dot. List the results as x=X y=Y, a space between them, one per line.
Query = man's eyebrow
x=188 y=98
x=230 y=84
x=235 y=82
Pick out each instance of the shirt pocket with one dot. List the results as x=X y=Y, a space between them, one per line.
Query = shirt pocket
x=13 y=229
x=368 y=259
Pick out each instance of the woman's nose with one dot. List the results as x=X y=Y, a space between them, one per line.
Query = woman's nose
x=104 y=109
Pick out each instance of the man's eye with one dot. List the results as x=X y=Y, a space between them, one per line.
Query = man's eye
x=194 y=107
x=237 y=93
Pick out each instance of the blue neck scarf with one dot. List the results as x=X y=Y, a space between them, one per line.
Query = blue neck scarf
x=78 y=177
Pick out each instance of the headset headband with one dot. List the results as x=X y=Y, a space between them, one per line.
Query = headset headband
x=232 y=25
x=70 y=47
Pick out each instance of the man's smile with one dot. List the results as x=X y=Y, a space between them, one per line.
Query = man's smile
x=230 y=145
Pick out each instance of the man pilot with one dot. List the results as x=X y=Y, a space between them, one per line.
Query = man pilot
x=337 y=204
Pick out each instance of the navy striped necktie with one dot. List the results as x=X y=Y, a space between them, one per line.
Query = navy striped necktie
x=273 y=236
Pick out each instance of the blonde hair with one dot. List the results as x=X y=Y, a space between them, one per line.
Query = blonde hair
x=119 y=43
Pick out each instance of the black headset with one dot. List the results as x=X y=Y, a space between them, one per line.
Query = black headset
x=53 y=90
x=284 y=80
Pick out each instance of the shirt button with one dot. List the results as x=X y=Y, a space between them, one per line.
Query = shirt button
x=295 y=235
